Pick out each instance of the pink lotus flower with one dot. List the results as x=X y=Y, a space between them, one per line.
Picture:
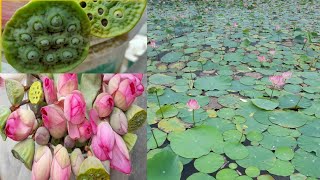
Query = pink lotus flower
x=20 y=124
x=103 y=104
x=192 y=104
x=287 y=75
x=42 y=163
x=61 y=166
x=277 y=81
x=124 y=90
x=54 y=120
x=272 y=52
x=75 y=107
x=67 y=83
x=235 y=24
x=262 y=59
x=153 y=44
x=120 y=156
x=103 y=143
x=50 y=92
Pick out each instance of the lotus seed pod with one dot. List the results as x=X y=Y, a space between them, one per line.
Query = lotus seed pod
x=42 y=136
x=36 y=93
x=4 y=114
x=76 y=158
x=136 y=117
x=47 y=37
x=15 y=91
x=92 y=168
x=130 y=140
x=24 y=151
x=110 y=18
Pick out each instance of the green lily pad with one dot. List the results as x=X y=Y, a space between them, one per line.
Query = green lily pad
x=161 y=79
x=306 y=163
x=282 y=168
x=309 y=144
x=265 y=104
x=200 y=176
x=311 y=129
x=167 y=111
x=226 y=174
x=209 y=163
x=273 y=142
x=252 y=171
x=172 y=57
x=290 y=119
x=230 y=101
x=171 y=125
x=255 y=136
x=294 y=101
x=284 y=153
x=213 y=83
x=160 y=138
x=169 y=166
x=198 y=141
x=236 y=151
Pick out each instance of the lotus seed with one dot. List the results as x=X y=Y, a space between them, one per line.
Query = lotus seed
x=38 y=26
x=60 y=41
x=33 y=55
x=56 y=21
x=50 y=58
x=118 y=14
x=25 y=37
x=75 y=41
x=67 y=54
x=72 y=28
x=44 y=42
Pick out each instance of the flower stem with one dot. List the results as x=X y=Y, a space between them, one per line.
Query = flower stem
x=296 y=106
x=194 y=122
x=13 y=108
x=159 y=105
x=154 y=138
x=241 y=135
x=271 y=94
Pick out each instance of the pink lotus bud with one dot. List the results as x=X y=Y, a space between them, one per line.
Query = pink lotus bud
x=287 y=75
x=85 y=131
x=102 y=143
x=67 y=83
x=103 y=104
x=42 y=163
x=54 y=120
x=272 y=52
x=235 y=24
x=113 y=84
x=192 y=104
x=153 y=44
x=75 y=107
x=94 y=120
x=76 y=158
x=119 y=122
x=20 y=124
x=136 y=78
x=50 y=92
x=120 y=156
x=42 y=136
x=125 y=95
x=262 y=58
x=107 y=77
x=61 y=166
x=68 y=142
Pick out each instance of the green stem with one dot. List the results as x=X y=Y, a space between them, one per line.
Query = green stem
x=296 y=106
x=304 y=45
x=154 y=138
x=271 y=93
x=194 y=122
x=241 y=135
x=159 y=105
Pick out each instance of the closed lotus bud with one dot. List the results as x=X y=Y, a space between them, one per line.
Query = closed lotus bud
x=76 y=161
x=125 y=95
x=42 y=136
x=92 y=168
x=66 y=84
x=118 y=121
x=68 y=142
x=4 y=114
x=54 y=120
x=103 y=142
x=24 y=151
x=42 y=163
x=49 y=89
x=61 y=166
x=15 y=91
x=20 y=124
x=120 y=156
x=103 y=104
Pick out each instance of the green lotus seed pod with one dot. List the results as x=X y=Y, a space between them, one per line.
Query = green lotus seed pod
x=92 y=168
x=136 y=117
x=130 y=140
x=4 y=113
x=24 y=151
x=15 y=91
x=110 y=18
x=38 y=35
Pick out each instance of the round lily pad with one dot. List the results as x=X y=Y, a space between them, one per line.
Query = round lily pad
x=311 y=129
x=160 y=138
x=273 y=142
x=259 y=157
x=290 y=119
x=167 y=111
x=233 y=136
x=282 y=168
x=309 y=144
x=161 y=79
x=226 y=174
x=262 y=117
x=236 y=151
x=265 y=177
x=284 y=153
x=200 y=176
x=209 y=163
x=265 y=104
x=233 y=166
x=230 y=100
x=171 y=125
x=169 y=166
x=47 y=36
x=112 y=18
x=252 y=171
x=254 y=136
x=198 y=141
x=306 y=163
x=294 y=101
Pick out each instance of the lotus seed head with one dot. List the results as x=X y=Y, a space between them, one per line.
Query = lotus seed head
x=56 y=21
x=25 y=37
x=37 y=26
x=118 y=14
x=32 y=55
x=72 y=28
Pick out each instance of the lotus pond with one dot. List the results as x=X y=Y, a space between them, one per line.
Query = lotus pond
x=254 y=70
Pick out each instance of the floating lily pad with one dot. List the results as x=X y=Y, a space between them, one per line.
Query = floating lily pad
x=294 y=101
x=306 y=163
x=236 y=151
x=171 y=125
x=213 y=83
x=282 y=168
x=167 y=111
x=252 y=171
x=159 y=136
x=309 y=144
x=284 y=153
x=200 y=176
x=230 y=100
x=290 y=119
x=311 y=129
x=226 y=174
x=209 y=163
x=161 y=79
x=265 y=104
